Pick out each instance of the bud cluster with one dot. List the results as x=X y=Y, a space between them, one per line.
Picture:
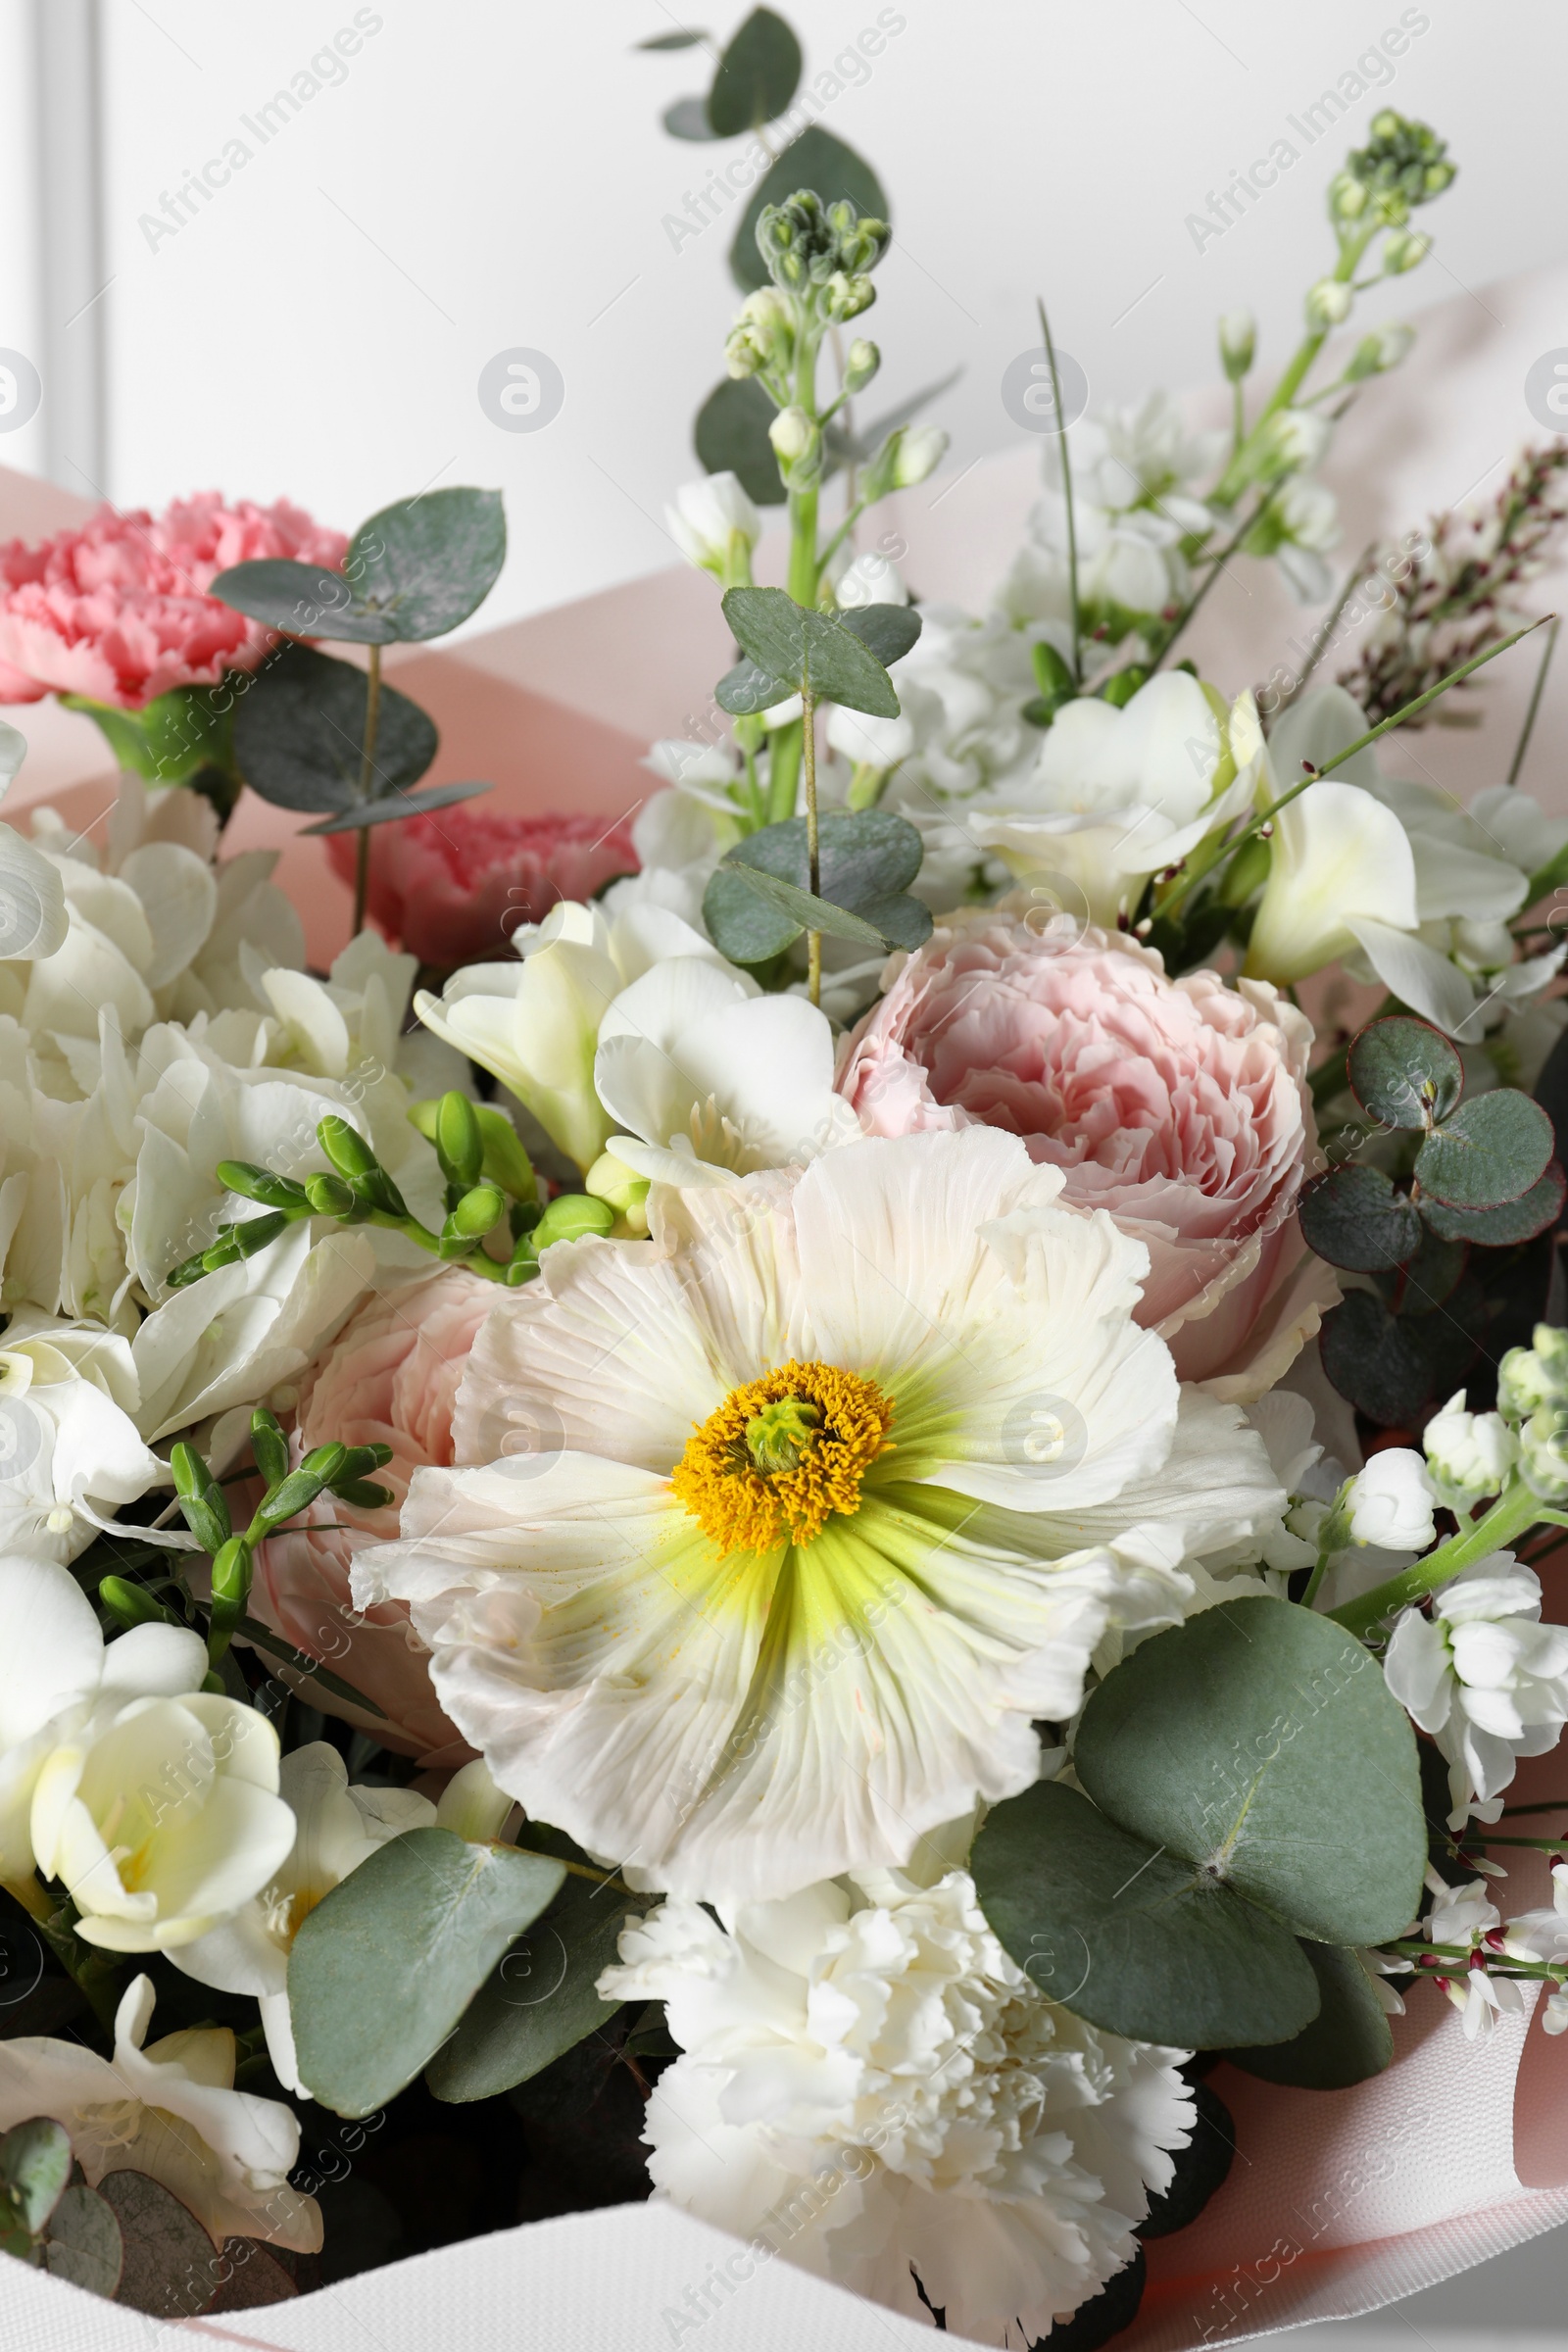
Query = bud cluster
x=1533 y=1390
x=1403 y=164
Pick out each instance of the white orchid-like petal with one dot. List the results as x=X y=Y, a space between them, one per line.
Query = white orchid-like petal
x=1418 y=974
x=1337 y=856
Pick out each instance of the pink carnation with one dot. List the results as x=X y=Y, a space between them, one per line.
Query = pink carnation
x=117 y=608
x=1177 y=1106
x=390 y=1378
x=453 y=886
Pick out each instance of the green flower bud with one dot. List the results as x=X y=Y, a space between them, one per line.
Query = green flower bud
x=1532 y=1378
x=504 y=1162
x=458 y=1145
x=846 y=296
x=1328 y=304
x=921 y=451
x=261 y=1184
x=269 y=1446
x=364 y=1493
x=625 y=1192
x=1384 y=348
x=570 y=1217
x=1403 y=250
x=1347 y=197
x=1544 y=1453
x=330 y=1196
x=259 y=1233
x=325 y=1462
x=231 y=1573
x=133 y=1604
x=796 y=440
x=1238 y=341
x=861 y=364
x=346 y=1147
x=361 y=1459
x=1403 y=164
x=200 y=1499
x=479 y=1211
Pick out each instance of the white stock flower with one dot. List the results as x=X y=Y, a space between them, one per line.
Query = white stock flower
x=1389 y=1503
x=160 y=1810
x=172 y=2113
x=1469 y=1454
x=800 y=1574
x=1119 y=794
x=869 y=578
x=337 y=1828
x=1306 y=517
x=872 y=2088
x=534 y=1024
x=1484 y=1676
x=711 y=522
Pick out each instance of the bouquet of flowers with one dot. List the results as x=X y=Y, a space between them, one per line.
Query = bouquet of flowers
x=799 y=1507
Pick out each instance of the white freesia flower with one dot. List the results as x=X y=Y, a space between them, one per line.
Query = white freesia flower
x=534 y=1024
x=33 y=900
x=160 y=1811
x=336 y=1829
x=1389 y=1503
x=70 y=1454
x=872 y=2087
x=715 y=526
x=711 y=1079
x=1341 y=872
x=172 y=2111
x=1484 y=1676
x=1469 y=1454
x=51 y=1663
x=800 y=1576
x=1119 y=794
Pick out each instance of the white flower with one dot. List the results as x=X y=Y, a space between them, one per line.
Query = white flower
x=32 y=902
x=1306 y=515
x=1543 y=1935
x=1341 y=872
x=51 y=1662
x=795 y=1582
x=534 y=1024
x=1469 y=1454
x=870 y=742
x=160 y=1811
x=1465 y=1918
x=713 y=523
x=713 y=1078
x=870 y=578
x=70 y=1454
x=337 y=1828
x=1118 y=793
x=170 y=2112
x=1389 y=1503
x=872 y=2088
x=920 y=449
x=1483 y=1675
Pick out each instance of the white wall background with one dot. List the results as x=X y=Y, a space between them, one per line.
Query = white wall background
x=495 y=175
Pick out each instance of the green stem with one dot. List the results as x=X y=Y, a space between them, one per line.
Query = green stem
x=1535 y=693
x=1515 y=1509
x=804 y=568
x=813 y=864
x=1216 y=564
x=1325 y=630
x=1204 y=865
x=783 y=771
x=1066 y=494
x=89 y=1970
x=1235 y=478
x=362 y=855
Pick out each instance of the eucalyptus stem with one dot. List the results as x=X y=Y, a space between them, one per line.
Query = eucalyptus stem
x=362 y=855
x=1518 y=1506
x=813 y=939
x=1066 y=493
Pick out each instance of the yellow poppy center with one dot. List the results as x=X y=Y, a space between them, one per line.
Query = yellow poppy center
x=782 y=1454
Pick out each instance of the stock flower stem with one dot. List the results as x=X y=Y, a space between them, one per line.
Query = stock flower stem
x=1234 y=479
x=813 y=864
x=1515 y=1509
x=805 y=566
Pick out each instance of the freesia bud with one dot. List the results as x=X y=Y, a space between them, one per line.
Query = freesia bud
x=1238 y=341
x=625 y=1192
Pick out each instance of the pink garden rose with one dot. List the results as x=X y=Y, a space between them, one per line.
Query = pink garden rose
x=390 y=1377
x=1178 y=1105
x=117 y=610
x=453 y=886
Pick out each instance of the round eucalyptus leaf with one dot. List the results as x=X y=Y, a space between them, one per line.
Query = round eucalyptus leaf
x=168 y=2265
x=35 y=2170
x=866 y=861
x=300 y=729
x=1346 y=2042
x=427 y=563
x=1492 y=1150
x=730 y=436
x=1130 y=1938
x=1260 y=1744
x=757 y=76
x=303 y=600
x=815 y=160
x=811 y=651
x=84 y=2244
x=1403 y=1072
x=1512 y=1221
x=743 y=925
x=1354 y=1218
x=887 y=630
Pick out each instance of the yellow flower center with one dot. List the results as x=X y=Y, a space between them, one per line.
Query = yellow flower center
x=782 y=1454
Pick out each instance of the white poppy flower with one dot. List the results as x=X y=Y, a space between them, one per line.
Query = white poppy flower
x=857 y=1467
x=1484 y=1676
x=172 y=2111
x=160 y=1812
x=712 y=1079
x=337 y=1828
x=872 y=2087
x=535 y=1024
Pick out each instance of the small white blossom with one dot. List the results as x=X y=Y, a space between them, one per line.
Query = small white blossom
x=1389 y=1503
x=1543 y=1935
x=1483 y=1675
x=1466 y=1918
x=715 y=525
x=1469 y=1454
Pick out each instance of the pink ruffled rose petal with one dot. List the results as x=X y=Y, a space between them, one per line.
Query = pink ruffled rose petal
x=390 y=1378
x=1178 y=1107
x=453 y=886
x=117 y=610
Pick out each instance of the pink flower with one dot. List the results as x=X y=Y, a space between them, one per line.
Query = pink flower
x=390 y=1377
x=454 y=885
x=1177 y=1106
x=117 y=608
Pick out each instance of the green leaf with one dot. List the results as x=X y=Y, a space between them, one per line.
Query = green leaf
x=412 y=571
x=809 y=650
x=397 y=806
x=885 y=630
x=1403 y=1072
x=169 y=2267
x=687 y=119
x=541 y=2000
x=1433 y=1275
x=1391 y=1367
x=1346 y=2042
x=299 y=730
x=815 y=160
x=1131 y=1938
x=865 y=862
x=1260 y=1744
x=84 y=2244
x=1492 y=1149
x=671 y=40
x=730 y=436
x=383 y=1969
x=804 y=911
x=757 y=76
x=746 y=690
x=1512 y=1221
x=1353 y=1217
x=35 y=2170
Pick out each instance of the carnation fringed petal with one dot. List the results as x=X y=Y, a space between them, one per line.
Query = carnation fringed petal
x=739 y=1721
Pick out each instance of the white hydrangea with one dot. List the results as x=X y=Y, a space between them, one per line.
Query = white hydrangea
x=873 y=2089
x=1485 y=1676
